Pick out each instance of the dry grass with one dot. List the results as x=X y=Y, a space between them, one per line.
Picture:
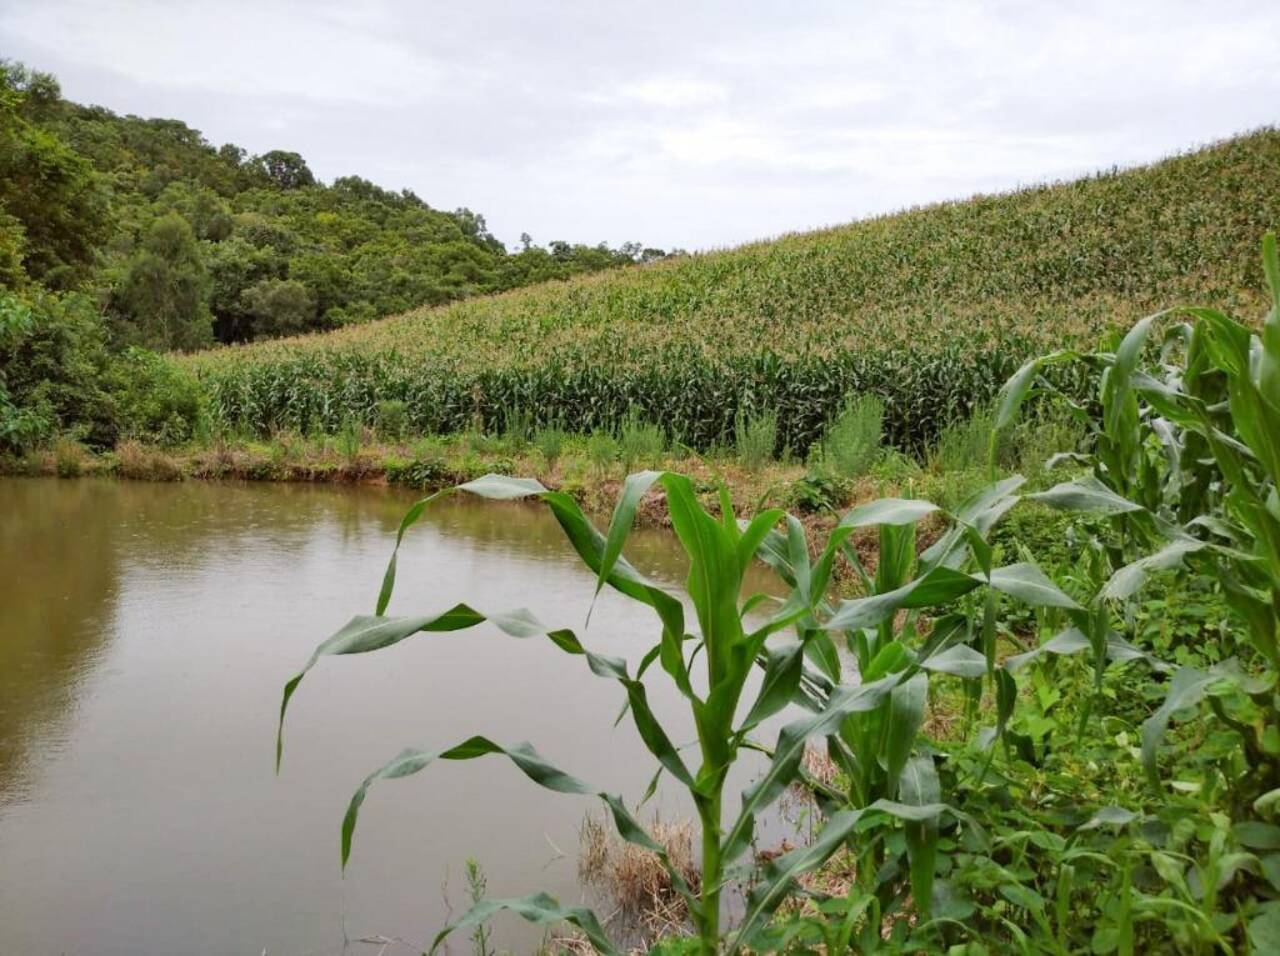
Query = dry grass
x=635 y=879
x=70 y=458
x=140 y=462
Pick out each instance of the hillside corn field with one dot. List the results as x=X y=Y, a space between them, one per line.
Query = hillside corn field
x=931 y=309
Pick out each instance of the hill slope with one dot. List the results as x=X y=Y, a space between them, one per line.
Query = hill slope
x=931 y=308
x=183 y=242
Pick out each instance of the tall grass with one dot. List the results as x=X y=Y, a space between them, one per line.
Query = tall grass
x=755 y=437
x=640 y=442
x=853 y=442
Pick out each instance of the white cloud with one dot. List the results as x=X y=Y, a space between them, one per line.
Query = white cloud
x=673 y=123
x=674 y=92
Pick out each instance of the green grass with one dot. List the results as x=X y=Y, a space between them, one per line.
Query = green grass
x=929 y=309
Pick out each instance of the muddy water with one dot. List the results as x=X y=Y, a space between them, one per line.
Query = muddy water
x=145 y=633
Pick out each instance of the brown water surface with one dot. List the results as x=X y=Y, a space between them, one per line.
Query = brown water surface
x=145 y=633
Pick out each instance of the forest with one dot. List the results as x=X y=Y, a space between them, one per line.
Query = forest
x=121 y=232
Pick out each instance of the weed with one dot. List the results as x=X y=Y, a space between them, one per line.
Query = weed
x=756 y=437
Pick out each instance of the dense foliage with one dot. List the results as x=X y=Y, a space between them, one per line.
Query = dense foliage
x=1002 y=778
x=170 y=243
x=930 y=309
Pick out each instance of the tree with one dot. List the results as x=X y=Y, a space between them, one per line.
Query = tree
x=47 y=187
x=279 y=307
x=164 y=298
x=286 y=170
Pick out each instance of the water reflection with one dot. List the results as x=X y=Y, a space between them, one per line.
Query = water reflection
x=145 y=634
x=58 y=577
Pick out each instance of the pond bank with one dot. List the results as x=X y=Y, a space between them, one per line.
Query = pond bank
x=440 y=463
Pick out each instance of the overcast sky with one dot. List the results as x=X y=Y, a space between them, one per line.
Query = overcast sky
x=691 y=124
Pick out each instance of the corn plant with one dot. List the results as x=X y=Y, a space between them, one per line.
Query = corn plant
x=719 y=552
x=871 y=726
x=932 y=310
x=1185 y=467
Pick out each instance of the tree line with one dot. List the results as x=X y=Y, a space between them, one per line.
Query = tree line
x=122 y=236
x=181 y=244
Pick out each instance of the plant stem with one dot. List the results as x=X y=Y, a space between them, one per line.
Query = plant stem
x=709 y=812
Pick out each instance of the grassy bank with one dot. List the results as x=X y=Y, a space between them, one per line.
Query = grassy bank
x=852 y=464
x=930 y=309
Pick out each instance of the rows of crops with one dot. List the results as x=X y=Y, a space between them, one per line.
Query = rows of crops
x=930 y=309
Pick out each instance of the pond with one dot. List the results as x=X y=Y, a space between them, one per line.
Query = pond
x=145 y=635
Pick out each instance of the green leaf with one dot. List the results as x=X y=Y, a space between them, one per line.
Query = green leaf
x=1186 y=689
x=364 y=634
x=1022 y=896
x=537 y=908
x=1029 y=584
x=1070 y=641
x=410 y=518
x=1109 y=816
x=503 y=487
x=919 y=786
x=906 y=714
x=1086 y=494
x=1128 y=580
x=782 y=674
x=939 y=586
x=1264 y=930
x=1257 y=835
x=890 y=511
x=959 y=660
x=523 y=755
x=845 y=700
x=778 y=878
x=624 y=516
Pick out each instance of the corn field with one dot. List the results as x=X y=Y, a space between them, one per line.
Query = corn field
x=929 y=309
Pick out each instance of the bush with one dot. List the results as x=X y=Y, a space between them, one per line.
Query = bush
x=550 y=442
x=393 y=418
x=70 y=458
x=755 y=437
x=349 y=438
x=53 y=363
x=640 y=442
x=852 y=443
x=517 y=426
x=155 y=400
x=602 y=450
x=964 y=445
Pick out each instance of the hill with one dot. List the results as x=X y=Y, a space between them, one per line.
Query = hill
x=931 y=308
x=262 y=246
x=120 y=232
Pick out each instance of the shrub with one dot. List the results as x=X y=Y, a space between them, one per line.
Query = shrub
x=852 y=443
x=550 y=443
x=393 y=418
x=517 y=426
x=602 y=450
x=155 y=400
x=963 y=445
x=134 y=460
x=640 y=442
x=349 y=439
x=70 y=459
x=53 y=370
x=755 y=437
